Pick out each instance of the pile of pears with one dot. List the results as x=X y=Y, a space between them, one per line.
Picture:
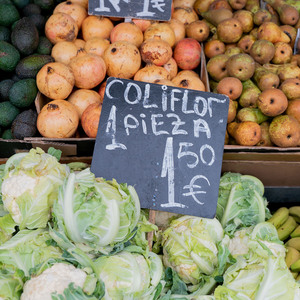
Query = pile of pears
x=251 y=54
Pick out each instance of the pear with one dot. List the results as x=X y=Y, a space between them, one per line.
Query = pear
x=295 y=59
x=237 y=4
x=201 y=6
x=265 y=79
x=287 y=71
x=285 y=131
x=283 y=53
x=245 y=133
x=241 y=66
x=216 y=67
x=262 y=51
x=217 y=4
x=233 y=51
x=226 y=141
x=230 y=30
x=288 y=14
x=272 y=67
x=272 y=102
x=232 y=109
x=251 y=114
x=265 y=140
x=271 y=32
x=261 y=16
x=252 y=5
x=246 y=19
x=294 y=109
x=213 y=85
x=217 y=16
x=291 y=88
x=246 y=42
x=213 y=48
x=231 y=87
x=249 y=94
x=291 y=32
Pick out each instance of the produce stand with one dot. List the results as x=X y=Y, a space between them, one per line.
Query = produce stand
x=267 y=171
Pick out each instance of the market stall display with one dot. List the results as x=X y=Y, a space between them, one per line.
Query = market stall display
x=251 y=54
x=92 y=243
x=67 y=233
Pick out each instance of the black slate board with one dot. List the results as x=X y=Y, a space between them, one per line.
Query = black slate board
x=147 y=9
x=167 y=142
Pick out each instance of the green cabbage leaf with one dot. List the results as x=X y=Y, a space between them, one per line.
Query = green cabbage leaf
x=30 y=185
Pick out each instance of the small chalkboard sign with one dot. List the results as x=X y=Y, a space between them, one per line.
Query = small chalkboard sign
x=138 y=9
x=167 y=142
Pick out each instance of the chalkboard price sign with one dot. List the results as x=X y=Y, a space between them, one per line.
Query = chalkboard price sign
x=167 y=142
x=139 y=9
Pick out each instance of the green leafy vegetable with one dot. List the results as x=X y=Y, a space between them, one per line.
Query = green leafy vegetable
x=240 y=202
x=11 y=282
x=7 y=228
x=30 y=185
x=130 y=275
x=190 y=247
x=96 y=214
x=27 y=249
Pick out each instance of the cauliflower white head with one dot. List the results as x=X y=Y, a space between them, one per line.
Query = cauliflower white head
x=30 y=185
x=55 y=279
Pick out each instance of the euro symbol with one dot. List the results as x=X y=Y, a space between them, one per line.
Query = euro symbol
x=193 y=186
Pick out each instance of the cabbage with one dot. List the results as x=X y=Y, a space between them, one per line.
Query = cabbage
x=258 y=278
x=262 y=238
x=130 y=275
x=240 y=202
x=190 y=247
x=260 y=271
x=11 y=282
x=7 y=228
x=28 y=248
x=2 y=210
x=95 y=214
x=30 y=185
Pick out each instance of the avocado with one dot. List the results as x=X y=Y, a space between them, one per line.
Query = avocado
x=45 y=4
x=20 y=3
x=15 y=78
x=4 y=34
x=24 y=124
x=23 y=93
x=39 y=21
x=29 y=66
x=5 y=86
x=6 y=2
x=8 y=14
x=45 y=46
x=31 y=9
x=8 y=113
x=7 y=134
x=9 y=56
x=25 y=36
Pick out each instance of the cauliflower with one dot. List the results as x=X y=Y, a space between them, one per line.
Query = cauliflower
x=12 y=188
x=55 y=279
x=30 y=184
